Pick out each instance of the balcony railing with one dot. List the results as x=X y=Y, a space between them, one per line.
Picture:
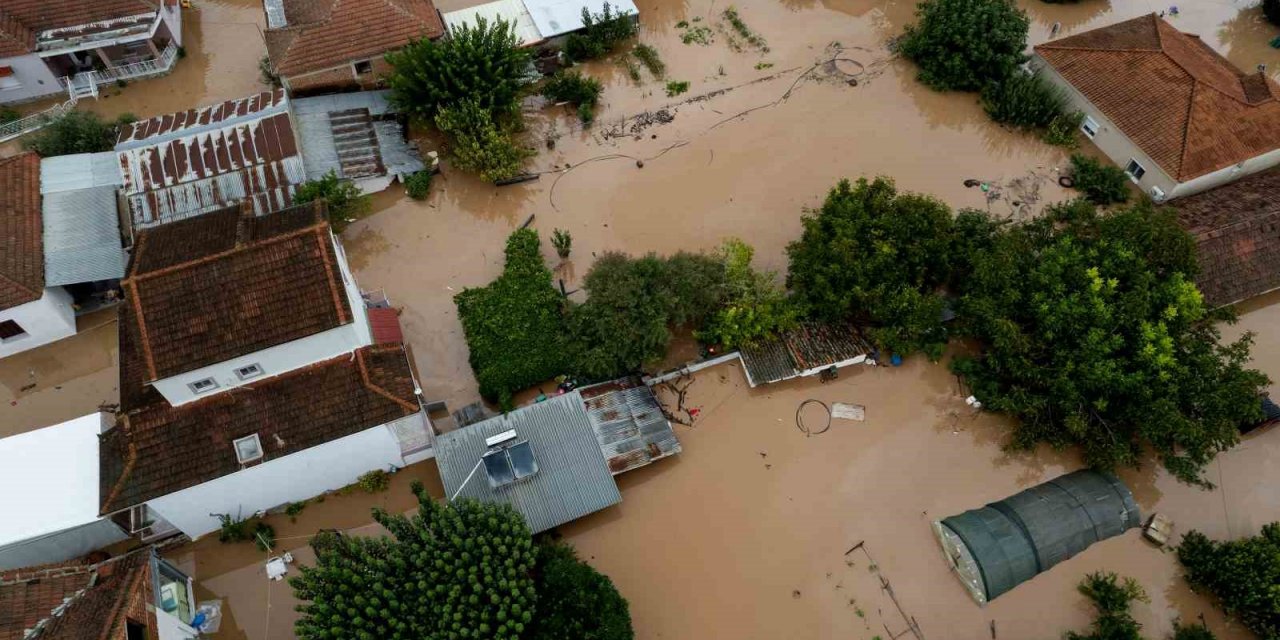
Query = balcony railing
x=85 y=84
x=21 y=126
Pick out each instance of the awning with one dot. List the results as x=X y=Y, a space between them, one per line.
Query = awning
x=82 y=237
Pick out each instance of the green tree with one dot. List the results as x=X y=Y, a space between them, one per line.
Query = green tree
x=755 y=307
x=1101 y=183
x=877 y=257
x=1093 y=334
x=964 y=44
x=418 y=184
x=449 y=572
x=76 y=132
x=576 y=602
x=1244 y=574
x=1023 y=100
x=480 y=144
x=601 y=33
x=344 y=199
x=623 y=324
x=1112 y=597
x=572 y=87
x=483 y=63
x=515 y=326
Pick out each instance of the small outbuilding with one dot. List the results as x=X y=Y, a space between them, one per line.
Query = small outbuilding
x=1006 y=543
x=809 y=349
x=357 y=137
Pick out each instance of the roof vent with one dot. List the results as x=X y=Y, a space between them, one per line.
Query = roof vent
x=248 y=449
x=508 y=460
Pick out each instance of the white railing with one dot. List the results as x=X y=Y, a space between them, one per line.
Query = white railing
x=85 y=84
x=22 y=126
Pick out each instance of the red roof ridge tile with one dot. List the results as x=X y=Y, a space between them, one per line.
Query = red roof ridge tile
x=121 y=423
x=142 y=326
x=240 y=247
x=333 y=283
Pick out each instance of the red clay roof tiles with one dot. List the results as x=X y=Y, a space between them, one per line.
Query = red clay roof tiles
x=225 y=284
x=326 y=33
x=1178 y=100
x=21 y=231
x=98 y=598
x=1237 y=233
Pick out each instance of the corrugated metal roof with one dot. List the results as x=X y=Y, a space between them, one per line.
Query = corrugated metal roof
x=810 y=346
x=509 y=10
x=275 y=13
x=558 y=17
x=79 y=171
x=628 y=424
x=572 y=479
x=353 y=135
x=189 y=163
x=82 y=236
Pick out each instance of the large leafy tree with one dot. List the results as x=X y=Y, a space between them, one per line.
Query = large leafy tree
x=481 y=143
x=1093 y=334
x=448 y=572
x=876 y=256
x=1244 y=574
x=754 y=308
x=483 y=62
x=965 y=44
x=576 y=602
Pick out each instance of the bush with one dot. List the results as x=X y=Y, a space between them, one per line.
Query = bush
x=649 y=57
x=75 y=132
x=575 y=601
x=418 y=184
x=1271 y=9
x=966 y=44
x=1196 y=631
x=1112 y=598
x=375 y=481
x=755 y=307
x=563 y=242
x=601 y=33
x=1244 y=574
x=677 y=87
x=344 y=199
x=294 y=509
x=264 y=536
x=515 y=325
x=267 y=73
x=8 y=114
x=877 y=257
x=479 y=144
x=1093 y=335
x=231 y=529
x=1024 y=101
x=1062 y=130
x=1101 y=183
x=576 y=89
x=484 y=64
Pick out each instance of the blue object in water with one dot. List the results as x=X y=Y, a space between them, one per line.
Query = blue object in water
x=198 y=621
x=895 y=360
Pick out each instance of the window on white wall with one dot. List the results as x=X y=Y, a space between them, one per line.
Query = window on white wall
x=251 y=371
x=248 y=449
x=1089 y=127
x=11 y=330
x=1135 y=170
x=203 y=386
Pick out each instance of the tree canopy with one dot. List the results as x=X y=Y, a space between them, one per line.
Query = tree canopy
x=576 y=602
x=483 y=62
x=1244 y=574
x=1093 y=334
x=754 y=306
x=76 y=132
x=965 y=44
x=343 y=198
x=877 y=257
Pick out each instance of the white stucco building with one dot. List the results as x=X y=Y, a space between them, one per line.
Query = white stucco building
x=250 y=375
x=1163 y=105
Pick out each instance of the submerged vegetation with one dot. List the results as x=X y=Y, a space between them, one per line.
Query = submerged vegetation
x=574 y=88
x=76 y=132
x=345 y=202
x=677 y=87
x=1100 y=182
x=740 y=27
x=648 y=56
x=1244 y=574
x=481 y=143
x=601 y=34
x=962 y=45
x=1112 y=598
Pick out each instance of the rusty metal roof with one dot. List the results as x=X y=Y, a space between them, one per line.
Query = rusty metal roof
x=192 y=162
x=801 y=351
x=629 y=424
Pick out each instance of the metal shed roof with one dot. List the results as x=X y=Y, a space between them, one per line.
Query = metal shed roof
x=810 y=347
x=629 y=424
x=82 y=241
x=572 y=479
x=559 y=17
x=513 y=11
x=1011 y=541
x=353 y=135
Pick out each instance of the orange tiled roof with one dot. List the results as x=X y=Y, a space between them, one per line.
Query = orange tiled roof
x=322 y=34
x=21 y=231
x=1171 y=94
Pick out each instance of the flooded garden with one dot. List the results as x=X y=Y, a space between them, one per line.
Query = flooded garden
x=759 y=529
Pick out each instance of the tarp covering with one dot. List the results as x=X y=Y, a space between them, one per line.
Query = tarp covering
x=1013 y=540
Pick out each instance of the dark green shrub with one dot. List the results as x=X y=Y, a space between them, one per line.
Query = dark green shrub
x=1062 y=130
x=649 y=57
x=1244 y=574
x=1024 y=101
x=602 y=33
x=294 y=509
x=74 y=132
x=483 y=63
x=755 y=307
x=375 y=481
x=515 y=325
x=1196 y=631
x=344 y=199
x=965 y=44
x=479 y=143
x=1112 y=598
x=8 y=114
x=563 y=242
x=232 y=529
x=677 y=87
x=264 y=536
x=576 y=89
x=575 y=601
x=418 y=184
x=1101 y=183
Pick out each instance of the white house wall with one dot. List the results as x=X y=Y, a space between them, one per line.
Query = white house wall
x=49 y=319
x=295 y=477
x=37 y=81
x=172 y=17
